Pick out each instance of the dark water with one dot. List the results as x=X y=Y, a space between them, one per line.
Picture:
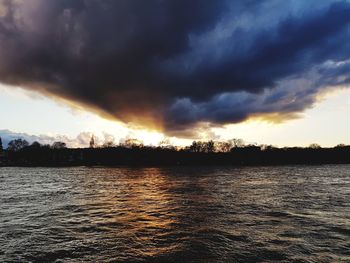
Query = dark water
x=262 y=214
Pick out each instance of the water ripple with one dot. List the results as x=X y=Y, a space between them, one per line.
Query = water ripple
x=182 y=214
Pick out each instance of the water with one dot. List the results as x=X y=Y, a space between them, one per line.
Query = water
x=193 y=214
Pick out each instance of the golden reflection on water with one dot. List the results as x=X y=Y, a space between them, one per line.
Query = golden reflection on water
x=150 y=206
x=146 y=203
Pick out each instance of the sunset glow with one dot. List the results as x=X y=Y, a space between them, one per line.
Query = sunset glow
x=326 y=117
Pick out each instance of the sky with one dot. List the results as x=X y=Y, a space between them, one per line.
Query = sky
x=269 y=72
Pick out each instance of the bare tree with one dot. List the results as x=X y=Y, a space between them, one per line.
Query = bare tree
x=223 y=146
x=209 y=146
x=237 y=143
x=132 y=143
x=196 y=146
x=108 y=144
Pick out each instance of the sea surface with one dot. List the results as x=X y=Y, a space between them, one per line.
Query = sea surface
x=179 y=214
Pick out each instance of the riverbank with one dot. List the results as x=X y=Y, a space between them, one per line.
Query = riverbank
x=156 y=156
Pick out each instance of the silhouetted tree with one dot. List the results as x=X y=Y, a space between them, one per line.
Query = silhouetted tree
x=45 y=146
x=92 y=142
x=165 y=144
x=223 y=146
x=266 y=147
x=195 y=147
x=315 y=146
x=237 y=143
x=341 y=145
x=209 y=146
x=108 y=144
x=132 y=143
x=16 y=145
x=35 y=145
x=58 y=145
x=1 y=148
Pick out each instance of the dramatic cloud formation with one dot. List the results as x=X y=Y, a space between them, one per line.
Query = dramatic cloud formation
x=177 y=63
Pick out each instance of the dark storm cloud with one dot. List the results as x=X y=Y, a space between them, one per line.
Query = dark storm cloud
x=177 y=62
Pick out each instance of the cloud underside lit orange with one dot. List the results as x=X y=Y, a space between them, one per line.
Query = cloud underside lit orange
x=158 y=65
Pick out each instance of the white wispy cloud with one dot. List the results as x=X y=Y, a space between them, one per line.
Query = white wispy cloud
x=81 y=140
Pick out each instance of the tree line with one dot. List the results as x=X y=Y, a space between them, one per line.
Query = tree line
x=19 y=144
x=197 y=146
x=209 y=146
x=133 y=152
